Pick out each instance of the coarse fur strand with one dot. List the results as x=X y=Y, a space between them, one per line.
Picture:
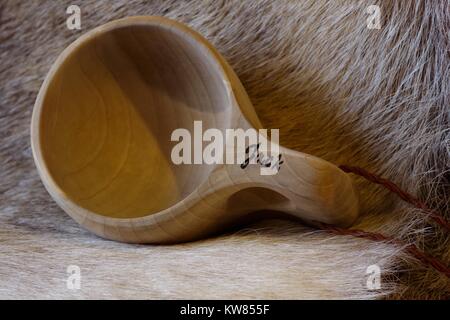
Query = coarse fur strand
x=378 y=99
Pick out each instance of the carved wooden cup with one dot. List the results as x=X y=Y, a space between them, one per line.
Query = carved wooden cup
x=101 y=138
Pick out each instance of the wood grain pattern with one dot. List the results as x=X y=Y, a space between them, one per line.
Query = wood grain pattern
x=101 y=132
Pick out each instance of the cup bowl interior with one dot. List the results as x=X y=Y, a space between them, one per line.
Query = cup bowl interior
x=108 y=111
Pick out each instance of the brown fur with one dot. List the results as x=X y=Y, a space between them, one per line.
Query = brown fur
x=336 y=89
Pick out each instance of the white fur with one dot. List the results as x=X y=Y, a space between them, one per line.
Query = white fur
x=336 y=89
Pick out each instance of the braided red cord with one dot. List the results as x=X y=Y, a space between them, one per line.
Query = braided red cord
x=374 y=236
x=399 y=192
x=412 y=249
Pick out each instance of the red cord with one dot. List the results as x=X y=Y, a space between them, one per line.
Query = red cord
x=399 y=192
x=412 y=249
x=374 y=236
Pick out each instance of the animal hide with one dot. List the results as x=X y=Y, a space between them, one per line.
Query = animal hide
x=375 y=98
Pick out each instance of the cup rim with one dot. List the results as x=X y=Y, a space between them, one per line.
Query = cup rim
x=78 y=213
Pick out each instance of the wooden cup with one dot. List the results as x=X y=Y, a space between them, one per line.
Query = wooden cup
x=101 y=139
